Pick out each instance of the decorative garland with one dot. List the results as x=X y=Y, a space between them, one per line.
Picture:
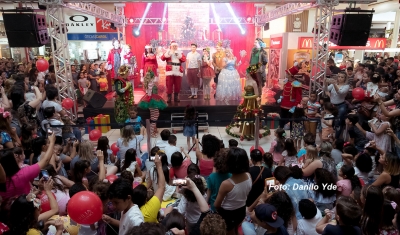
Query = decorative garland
x=186 y=43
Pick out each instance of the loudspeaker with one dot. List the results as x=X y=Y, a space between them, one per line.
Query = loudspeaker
x=350 y=29
x=266 y=26
x=26 y=30
x=95 y=99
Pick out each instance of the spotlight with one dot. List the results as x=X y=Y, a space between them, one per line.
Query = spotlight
x=243 y=32
x=136 y=32
x=164 y=19
x=131 y=20
x=249 y=19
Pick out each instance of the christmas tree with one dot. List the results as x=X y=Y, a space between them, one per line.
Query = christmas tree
x=188 y=30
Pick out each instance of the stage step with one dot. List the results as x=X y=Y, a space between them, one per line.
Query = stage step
x=179 y=126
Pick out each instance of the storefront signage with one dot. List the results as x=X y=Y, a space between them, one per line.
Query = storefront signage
x=372 y=44
x=79 y=23
x=305 y=43
x=276 y=43
x=92 y=36
x=104 y=26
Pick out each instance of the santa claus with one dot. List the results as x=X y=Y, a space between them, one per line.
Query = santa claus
x=174 y=70
x=114 y=59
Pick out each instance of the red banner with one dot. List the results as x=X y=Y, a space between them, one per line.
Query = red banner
x=103 y=26
x=372 y=44
x=276 y=43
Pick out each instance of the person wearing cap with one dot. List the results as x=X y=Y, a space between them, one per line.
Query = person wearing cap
x=259 y=58
x=266 y=216
x=291 y=96
x=193 y=66
x=149 y=61
x=174 y=70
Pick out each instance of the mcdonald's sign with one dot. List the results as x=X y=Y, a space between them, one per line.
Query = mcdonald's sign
x=372 y=44
x=379 y=42
x=305 y=43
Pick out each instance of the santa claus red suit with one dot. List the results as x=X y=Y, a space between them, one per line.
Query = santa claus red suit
x=291 y=95
x=174 y=70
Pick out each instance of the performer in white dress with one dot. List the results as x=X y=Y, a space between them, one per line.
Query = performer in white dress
x=229 y=87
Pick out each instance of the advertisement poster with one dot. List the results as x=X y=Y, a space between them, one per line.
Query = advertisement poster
x=298 y=55
x=274 y=66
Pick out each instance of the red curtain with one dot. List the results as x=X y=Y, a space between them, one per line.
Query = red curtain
x=229 y=31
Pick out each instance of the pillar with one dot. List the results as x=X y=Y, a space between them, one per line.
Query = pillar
x=395 y=34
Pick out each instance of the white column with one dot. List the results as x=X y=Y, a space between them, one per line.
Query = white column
x=395 y=34
x=359 y=54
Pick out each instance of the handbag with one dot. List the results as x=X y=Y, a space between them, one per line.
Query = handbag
x=259 y=175
x=366 y=108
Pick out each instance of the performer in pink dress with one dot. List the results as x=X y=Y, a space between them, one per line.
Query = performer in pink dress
x=149 y=60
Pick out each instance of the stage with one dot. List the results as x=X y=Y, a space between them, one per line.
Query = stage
x=219 y=112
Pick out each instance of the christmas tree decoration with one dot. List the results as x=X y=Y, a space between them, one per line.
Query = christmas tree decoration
x=188 y=30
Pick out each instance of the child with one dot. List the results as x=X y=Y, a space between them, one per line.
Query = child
x=81 y=169
x=357 y=138
x=322 y=100
x=189 y=127
x=311 y=217
x=59 y=165
x=233 y=143
x=364 y=168
x=67 y=132
x=180 y=165
x=309 y=140
x=134 y=119
x=171 y=147
x=388 y=213
x=207 y=72
x=310 y=156
x=289 y=153
x=120 y=193
x=278 y=145
x=130 y=164
x=83 y=83
x=349 y=181
x=349 y=152
x=103 y=83
x=269 y=220
x=215 y=179
x=103 y=145
x=51 y=119
x=268 y=161
x=164 y=139
x=327 y=129
x=297 y=132
x=313 y=107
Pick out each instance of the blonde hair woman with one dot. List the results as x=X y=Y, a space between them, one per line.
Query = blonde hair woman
x=229 y=87
x=129 y=140
x=87 y=153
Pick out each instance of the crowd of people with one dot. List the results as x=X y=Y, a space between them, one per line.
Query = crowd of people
x=336 y=171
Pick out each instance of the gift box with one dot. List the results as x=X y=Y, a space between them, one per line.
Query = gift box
x=102 y=119
x=89 y=125
x=273 y=121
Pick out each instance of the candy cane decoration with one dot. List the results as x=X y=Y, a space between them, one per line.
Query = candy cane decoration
x=154 y=114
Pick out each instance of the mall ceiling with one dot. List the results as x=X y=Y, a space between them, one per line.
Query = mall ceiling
x=192 y=1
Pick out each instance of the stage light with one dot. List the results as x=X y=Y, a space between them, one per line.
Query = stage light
x=131 y=20
x=136 y=32
x=216 y=17
x=144 y=15
x=235 y=18
x=164 y=19
x=249 y=19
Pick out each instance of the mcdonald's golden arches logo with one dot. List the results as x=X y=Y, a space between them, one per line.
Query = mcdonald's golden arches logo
x=379 y=43
x=305 y=43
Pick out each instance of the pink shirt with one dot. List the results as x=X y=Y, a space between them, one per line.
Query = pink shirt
x=277 y=156
x=20 y=182
x=181 y=172
x=206 y=166
x=344 y=186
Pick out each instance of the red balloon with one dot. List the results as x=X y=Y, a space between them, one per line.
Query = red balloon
x=94 y=135
x=259 y=148
x=45 y=202
x=114 y=148
x=85 y=208
x=103 y=85
x=67 y=103
x=42 y=65
x=358 y=93
x=111 y=178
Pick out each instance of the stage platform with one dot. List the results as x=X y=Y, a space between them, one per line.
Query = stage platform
x=216 y=110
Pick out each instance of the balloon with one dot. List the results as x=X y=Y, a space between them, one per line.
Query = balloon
x=67 y=103
x=85 y=208
x=114 y=148
x=94 y=135
x=42 y=65
x=139 y=161
x=103 y=85
x=259 y=148
x=45 y=203
x=358 y=93
x=111 y=178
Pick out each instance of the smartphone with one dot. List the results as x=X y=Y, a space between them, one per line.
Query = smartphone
x=179 y=182
x=367 y=145
x=270 y=181
x=152 y=158
x=45 y=175
x=49 y=131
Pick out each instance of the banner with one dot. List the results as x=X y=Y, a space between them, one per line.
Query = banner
x=92 y=36
x=276 y=43
x=104 y=26
x=372 y=44
x=77 y=22
x=298 y=55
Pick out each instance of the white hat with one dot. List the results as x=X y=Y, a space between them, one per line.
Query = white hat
x=174 y=43
x=147 y=46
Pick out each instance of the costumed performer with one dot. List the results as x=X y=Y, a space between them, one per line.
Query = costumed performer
x=149 y=61
x=259 y=58
x=151 y=100
x=229 y=87
x=124 y=99
x=218 y=61
x=291 y=96
x=193 y=70
x=174 y=70
x=207 y=72
x=114 y=59
x=129 y=59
